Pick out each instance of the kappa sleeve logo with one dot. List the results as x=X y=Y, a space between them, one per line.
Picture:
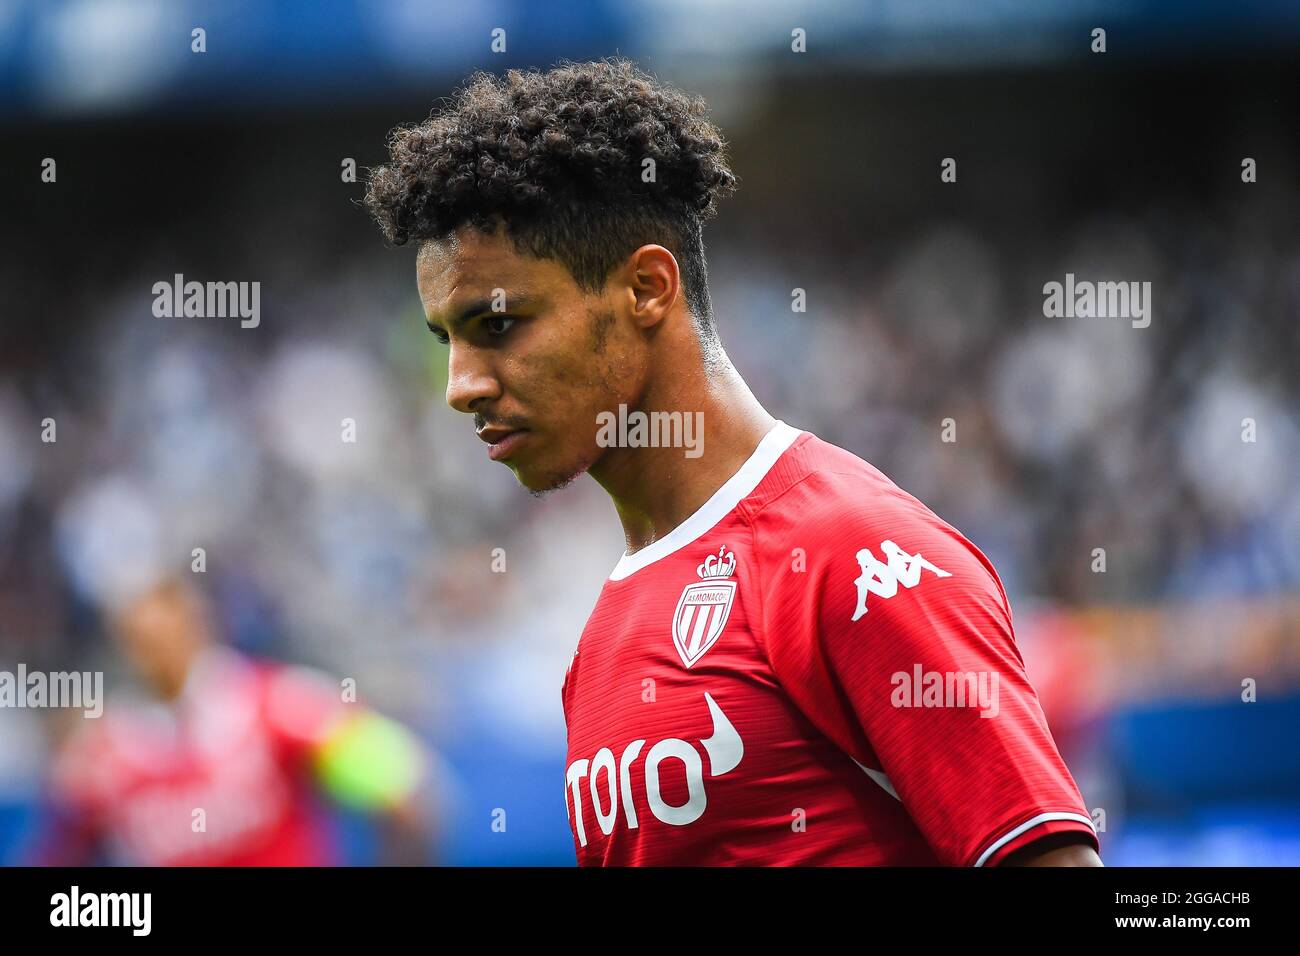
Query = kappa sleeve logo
x=882 y=578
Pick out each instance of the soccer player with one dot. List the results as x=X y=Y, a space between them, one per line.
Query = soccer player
x=224 y=768
x=795 y=662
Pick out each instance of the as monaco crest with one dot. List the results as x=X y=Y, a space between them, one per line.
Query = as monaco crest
x=704 y=608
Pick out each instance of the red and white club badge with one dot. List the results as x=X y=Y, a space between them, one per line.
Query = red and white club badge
x=704 y=608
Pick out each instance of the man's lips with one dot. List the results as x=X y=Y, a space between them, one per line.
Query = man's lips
x=502 y=441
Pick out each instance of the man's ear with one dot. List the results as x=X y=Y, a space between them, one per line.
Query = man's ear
x=653 y=282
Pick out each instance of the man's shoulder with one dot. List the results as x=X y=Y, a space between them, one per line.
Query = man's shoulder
x=820 y=487
x=838 y=519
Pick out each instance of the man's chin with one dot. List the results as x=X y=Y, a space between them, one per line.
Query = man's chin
x=540 y=482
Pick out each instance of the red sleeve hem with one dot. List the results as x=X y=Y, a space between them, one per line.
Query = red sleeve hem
x=1013 y=837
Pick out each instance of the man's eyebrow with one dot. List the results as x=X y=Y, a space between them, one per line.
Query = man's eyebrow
x=480 y=306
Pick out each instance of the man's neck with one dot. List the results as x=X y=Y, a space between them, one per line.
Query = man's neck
x=656 y=489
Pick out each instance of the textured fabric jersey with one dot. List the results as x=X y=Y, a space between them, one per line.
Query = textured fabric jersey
x=812 y=669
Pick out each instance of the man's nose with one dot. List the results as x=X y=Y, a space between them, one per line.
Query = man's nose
x=469 y=378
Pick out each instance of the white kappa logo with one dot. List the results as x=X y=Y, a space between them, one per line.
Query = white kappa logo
x=883 y=579
x=704 y=608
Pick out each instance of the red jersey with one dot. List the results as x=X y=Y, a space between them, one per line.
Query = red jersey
x=220 y=777
x=811 y=669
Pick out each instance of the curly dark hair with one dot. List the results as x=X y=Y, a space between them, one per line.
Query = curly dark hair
x=560 y=157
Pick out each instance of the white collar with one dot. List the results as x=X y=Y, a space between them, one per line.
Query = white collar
x=736 y=488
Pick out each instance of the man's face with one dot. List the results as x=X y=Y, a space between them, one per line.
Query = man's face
x=160 y=633
x=536 y=371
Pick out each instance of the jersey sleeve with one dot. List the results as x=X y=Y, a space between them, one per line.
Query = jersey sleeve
x=892 y=633
x=360 y=757
x=302 y=707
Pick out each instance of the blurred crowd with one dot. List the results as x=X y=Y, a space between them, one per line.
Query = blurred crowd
x=1065 y=435
x=1175 y=448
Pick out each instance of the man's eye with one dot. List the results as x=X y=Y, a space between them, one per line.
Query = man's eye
x=441 y=336
x=499 y=324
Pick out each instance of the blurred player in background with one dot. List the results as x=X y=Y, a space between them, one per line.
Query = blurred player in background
x=772 y=672
x=226 y=765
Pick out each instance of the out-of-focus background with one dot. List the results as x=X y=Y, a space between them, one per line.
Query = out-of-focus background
x=1171 y=678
